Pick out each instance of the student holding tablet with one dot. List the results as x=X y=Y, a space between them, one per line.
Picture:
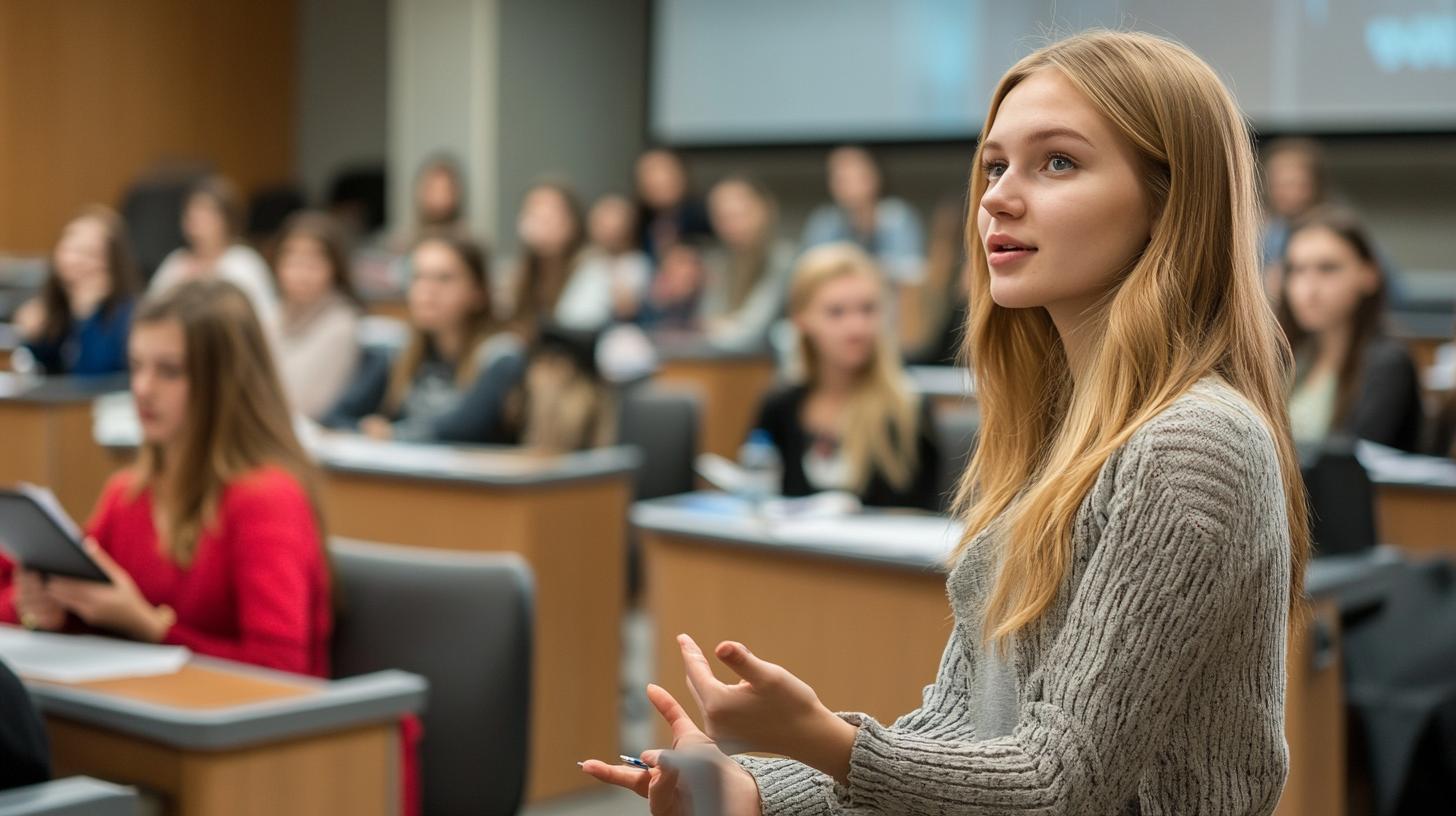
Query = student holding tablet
x=1135 y=524
x=213 y=540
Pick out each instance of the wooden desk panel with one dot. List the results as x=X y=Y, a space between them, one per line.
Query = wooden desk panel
x=866 y=638
x=1418 y=520
x=869 y=638
x=353 y=771
x=573 y=534
x=51 y=444
x=730 y=390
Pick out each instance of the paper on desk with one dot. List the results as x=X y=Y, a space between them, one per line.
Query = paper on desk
x=84 y=658
x=1393 y=466
x=926 y=537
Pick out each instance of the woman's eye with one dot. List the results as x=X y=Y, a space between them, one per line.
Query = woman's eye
x=994 y=169
x=1060 y=164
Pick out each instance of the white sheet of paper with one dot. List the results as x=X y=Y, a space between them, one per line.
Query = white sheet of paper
x=85 y=658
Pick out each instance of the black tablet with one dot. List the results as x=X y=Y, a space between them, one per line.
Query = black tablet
x=38 y=534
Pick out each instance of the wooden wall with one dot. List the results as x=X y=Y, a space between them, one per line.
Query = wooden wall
x=94 y=92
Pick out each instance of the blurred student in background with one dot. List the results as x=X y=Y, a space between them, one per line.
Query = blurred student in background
x=887 y=228
x=748 y=275
x=669 y=212
x=563 y=404
x=551 y=233
x=451 y=380
x=214 y=539
x=79 y=322
x=319 y=348
x=1295 y=183
x=439 y=200
x=212 y=225
x=1349 y=376
x=672 y=302
x=612 y=276
x=851 y=422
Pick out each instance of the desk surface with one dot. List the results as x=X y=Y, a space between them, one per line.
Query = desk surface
x=942 y=381
x=491 y=466
x=27 y=389
x=906 y=540
x=918 y=541
x=215 y=704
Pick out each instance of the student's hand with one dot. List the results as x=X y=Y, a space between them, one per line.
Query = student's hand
x=660 y=784
x=118 y=606
x=375 y=426
x=769 y=710
x=29 y=319
x=34 y=605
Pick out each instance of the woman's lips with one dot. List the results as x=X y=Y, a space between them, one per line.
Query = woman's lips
x=1005 y=257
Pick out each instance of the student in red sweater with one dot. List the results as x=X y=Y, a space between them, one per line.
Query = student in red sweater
x=213 y=540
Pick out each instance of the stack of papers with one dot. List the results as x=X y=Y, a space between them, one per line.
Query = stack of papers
x=85 y=658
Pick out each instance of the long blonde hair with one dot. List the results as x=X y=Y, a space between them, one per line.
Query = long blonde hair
x=1191 y=305
x=881 y=425
x=237 y=416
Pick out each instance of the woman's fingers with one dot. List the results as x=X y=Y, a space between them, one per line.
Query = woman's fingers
x=684 y=730
x=662 y=795
x=622 y=776
x=701 y=682
x=745 y=663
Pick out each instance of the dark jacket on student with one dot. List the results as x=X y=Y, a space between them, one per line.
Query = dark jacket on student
x=93 y=346
x=1387 y=409
x=780 y=414
x=24 y=751
x=435 y=410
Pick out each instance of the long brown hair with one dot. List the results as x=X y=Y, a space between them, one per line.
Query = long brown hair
x=1367 y=320
x=225 y=196
x=535 y=295
x=882 y=417
x=237 y=416
x=326 y=231
x=120 y=268
x=746 y=268
x=481 y=324
x=1191 y=305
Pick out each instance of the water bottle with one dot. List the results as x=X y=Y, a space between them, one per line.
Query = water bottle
x=762 y=468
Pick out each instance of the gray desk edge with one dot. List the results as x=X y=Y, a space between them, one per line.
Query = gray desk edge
x=72 y=795
x=653 y=515
x=376 y=697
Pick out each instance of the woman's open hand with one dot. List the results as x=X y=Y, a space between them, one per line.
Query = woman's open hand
x=768 y=710
x=660 y=784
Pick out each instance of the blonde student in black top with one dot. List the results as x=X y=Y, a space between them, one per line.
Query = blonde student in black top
x=851 y=422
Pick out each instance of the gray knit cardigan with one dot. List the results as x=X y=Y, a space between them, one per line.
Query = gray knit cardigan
x=1155 y=683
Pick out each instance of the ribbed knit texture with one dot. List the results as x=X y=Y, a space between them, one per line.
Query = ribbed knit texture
x=1155 y=683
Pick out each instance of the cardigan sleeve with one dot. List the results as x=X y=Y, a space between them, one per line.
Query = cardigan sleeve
x=275 y=557
x=789 y=788
x=364 y=395
x=1177 y=575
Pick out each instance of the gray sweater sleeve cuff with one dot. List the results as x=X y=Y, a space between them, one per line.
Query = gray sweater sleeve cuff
x=790 y=788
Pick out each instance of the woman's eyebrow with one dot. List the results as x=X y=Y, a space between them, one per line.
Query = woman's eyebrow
x=1047 y=134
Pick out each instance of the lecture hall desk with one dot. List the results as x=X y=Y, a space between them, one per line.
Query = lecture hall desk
x=566 y=515
x=46 y=439
x=224 y=739
x=730 y=386
x=866 y=629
